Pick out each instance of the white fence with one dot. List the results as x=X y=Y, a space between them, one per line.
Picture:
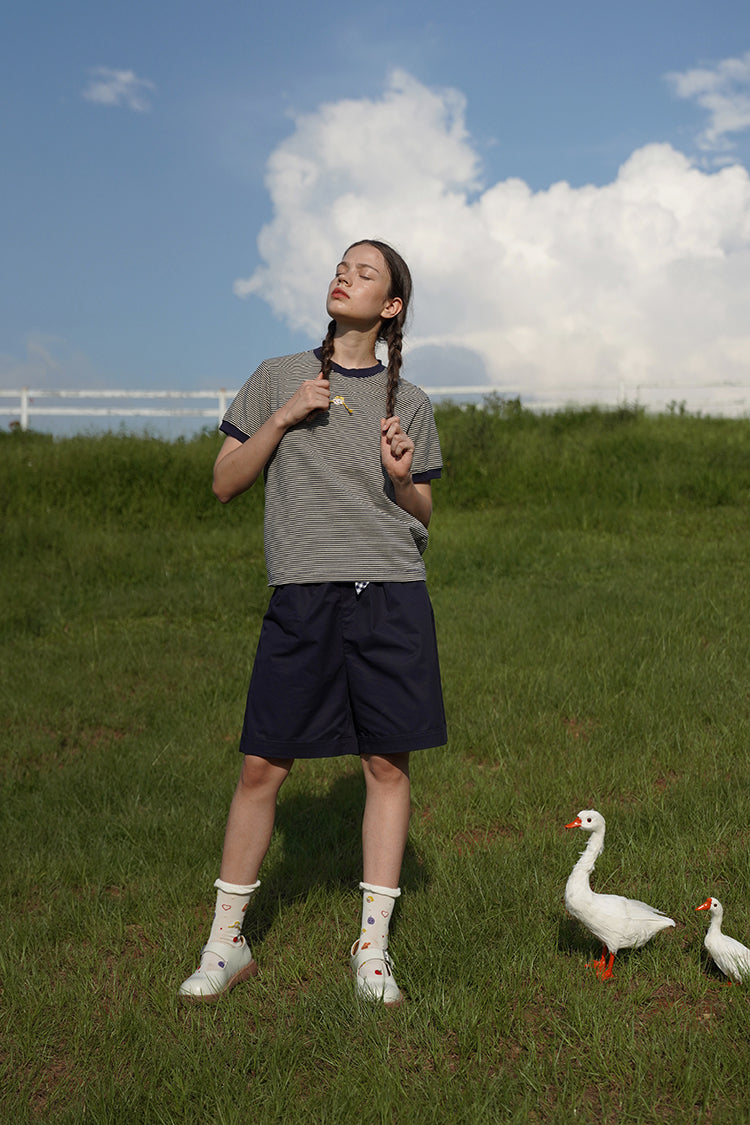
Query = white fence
x=727 y=398
x=33 y=403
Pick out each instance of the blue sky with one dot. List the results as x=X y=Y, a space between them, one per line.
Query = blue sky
x=180 y=178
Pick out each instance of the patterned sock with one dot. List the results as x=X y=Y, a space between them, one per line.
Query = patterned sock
x=377 y=908
x=231 y=903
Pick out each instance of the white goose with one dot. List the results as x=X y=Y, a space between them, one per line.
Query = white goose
x=732 y=957
x=618 y=922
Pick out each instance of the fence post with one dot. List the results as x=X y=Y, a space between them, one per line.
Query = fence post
x=24 y=408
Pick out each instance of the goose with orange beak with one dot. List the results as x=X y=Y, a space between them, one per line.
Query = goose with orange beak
x=618 y=922
x=732 y=957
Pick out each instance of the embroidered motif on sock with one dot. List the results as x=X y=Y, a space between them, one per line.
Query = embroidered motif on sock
x=376 y=916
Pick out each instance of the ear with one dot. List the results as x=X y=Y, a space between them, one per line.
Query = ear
x=391 y=308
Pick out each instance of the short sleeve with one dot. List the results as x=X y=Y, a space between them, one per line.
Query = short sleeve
x=427 y=461
x=251 y=407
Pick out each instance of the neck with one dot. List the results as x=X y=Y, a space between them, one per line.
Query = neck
x=355 y=349
x=591 y=853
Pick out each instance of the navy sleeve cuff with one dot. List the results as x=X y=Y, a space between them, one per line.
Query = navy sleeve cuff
x=231 y=431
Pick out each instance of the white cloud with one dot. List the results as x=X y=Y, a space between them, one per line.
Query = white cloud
x=119 y=88
x=49 y=361
x=724 y=92
x=581 y=293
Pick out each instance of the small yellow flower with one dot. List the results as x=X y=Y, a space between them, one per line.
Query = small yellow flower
x=339 y=400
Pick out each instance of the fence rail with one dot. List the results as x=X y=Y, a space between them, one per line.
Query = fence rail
x=719 y=397
x=29 y=400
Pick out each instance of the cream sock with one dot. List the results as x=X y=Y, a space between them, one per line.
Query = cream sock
x=377 y=909
x=231 y=903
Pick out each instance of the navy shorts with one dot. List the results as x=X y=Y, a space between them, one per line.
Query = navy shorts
x=338 y=672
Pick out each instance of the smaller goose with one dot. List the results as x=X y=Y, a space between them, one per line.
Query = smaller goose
x=618 y=922
x=732 y=957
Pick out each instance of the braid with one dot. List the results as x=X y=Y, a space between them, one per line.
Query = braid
x=395 y=338
x=327 y=350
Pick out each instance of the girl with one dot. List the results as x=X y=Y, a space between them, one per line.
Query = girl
x=347 y=657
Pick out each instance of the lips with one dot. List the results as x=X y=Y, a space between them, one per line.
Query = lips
x=340 y=293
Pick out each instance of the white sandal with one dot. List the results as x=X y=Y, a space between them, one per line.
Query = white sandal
x=373 y=975
x=235 y=964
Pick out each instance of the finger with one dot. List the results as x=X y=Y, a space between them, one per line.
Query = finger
x=399 y=444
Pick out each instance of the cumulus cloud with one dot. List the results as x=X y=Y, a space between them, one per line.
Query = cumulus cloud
x=119 y=88
x=588 y=294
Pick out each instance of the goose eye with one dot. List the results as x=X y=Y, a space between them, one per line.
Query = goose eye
x=588 y=820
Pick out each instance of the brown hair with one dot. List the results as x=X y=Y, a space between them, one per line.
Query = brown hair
x=391 y=329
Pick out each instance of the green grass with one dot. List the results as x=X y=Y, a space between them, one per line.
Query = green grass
x=589 y=576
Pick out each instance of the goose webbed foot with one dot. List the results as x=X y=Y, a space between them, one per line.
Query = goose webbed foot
x=603 y=966
x=606 y=974
x=599 y=963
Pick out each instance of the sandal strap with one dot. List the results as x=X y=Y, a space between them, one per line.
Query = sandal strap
x=372 y=953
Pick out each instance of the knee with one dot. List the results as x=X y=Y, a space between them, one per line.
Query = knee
x=391 y=771
x=258 y=774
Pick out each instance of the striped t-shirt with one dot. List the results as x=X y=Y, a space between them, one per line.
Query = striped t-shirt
x=330 y=513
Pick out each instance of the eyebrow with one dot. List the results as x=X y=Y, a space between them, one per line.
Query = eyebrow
x=361 y=266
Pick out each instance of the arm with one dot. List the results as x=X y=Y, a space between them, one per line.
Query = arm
x=396 y=451
x=239 y=464
x=415 y=499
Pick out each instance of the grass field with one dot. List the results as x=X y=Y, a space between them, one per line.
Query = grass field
x=589 y=573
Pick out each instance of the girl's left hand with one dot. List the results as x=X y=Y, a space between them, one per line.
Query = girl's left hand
x=396 y=450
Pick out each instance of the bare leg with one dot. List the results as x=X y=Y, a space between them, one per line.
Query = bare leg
x=384 y=830
x=251 y=817
x=385 y=825
x=227 y=958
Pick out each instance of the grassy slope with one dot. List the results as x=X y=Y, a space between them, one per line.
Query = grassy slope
x=588 y=573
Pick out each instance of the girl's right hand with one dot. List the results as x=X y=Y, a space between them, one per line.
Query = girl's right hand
x=313 y=395
x=239 y=464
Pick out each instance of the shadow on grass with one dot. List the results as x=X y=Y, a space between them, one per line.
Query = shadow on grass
x=321 y=848
x=573 y=940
